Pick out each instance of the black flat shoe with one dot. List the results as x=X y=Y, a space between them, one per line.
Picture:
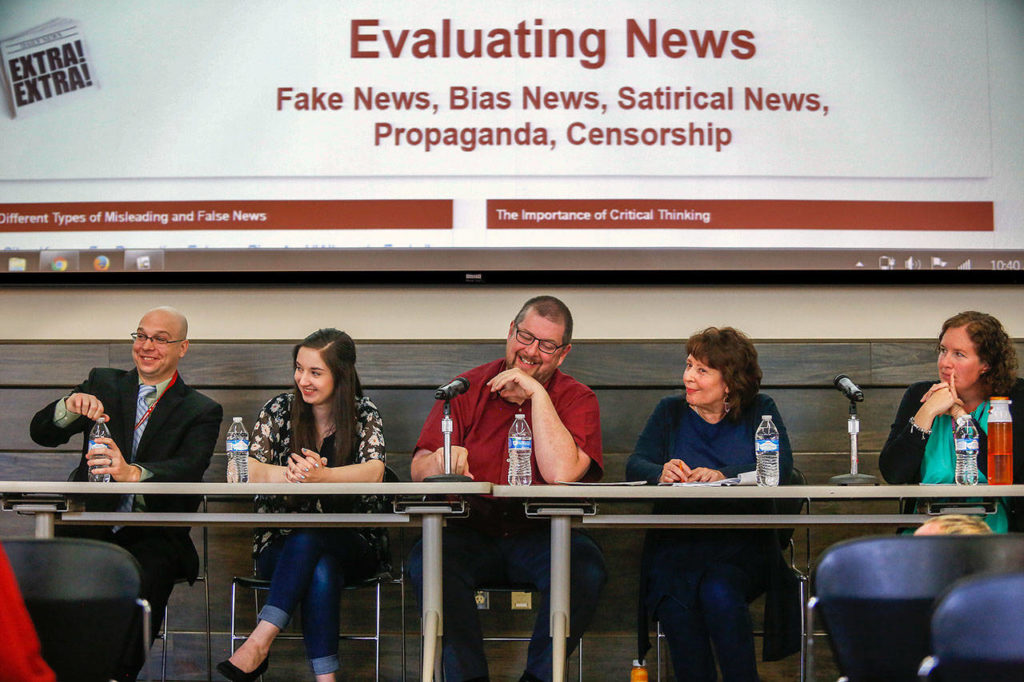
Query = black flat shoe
x=228 y=670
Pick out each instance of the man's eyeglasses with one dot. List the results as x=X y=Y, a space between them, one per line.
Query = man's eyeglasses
x=140 y=338
x=543 y=345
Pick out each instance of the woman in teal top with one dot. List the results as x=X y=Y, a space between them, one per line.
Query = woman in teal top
x=976 y=360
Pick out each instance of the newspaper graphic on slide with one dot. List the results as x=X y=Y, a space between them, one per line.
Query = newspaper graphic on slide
x=45 y=65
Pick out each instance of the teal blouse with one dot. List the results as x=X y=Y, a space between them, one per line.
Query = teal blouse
x=939 y=463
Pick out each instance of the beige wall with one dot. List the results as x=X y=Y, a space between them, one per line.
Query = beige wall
x=468 y=312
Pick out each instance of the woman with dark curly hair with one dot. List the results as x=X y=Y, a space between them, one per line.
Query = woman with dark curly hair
x=699 y=583
x=976 y=361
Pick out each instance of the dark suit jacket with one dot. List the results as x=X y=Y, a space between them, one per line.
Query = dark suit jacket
x=175 y=447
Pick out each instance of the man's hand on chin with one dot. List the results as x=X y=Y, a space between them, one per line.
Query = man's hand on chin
x=515 y=386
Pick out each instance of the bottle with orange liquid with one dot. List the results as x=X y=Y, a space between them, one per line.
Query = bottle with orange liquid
x=1000 y=442
x=639 y=672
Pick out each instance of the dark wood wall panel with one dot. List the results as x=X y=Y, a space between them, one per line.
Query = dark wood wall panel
x=816 y=419
x=809 y=363
x=596 y=363
x=421 y=364
x=18 y=405
x=602 y=364
x=43 y=465
x=46 y=364
x=902 y=363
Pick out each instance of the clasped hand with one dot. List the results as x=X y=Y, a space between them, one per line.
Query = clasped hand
x=309 y=467
x=677 y=471
x=942 y=398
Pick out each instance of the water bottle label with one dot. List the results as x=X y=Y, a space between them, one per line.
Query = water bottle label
x=520 y=443
x=968 y=445
x=238 y=445
x=766 y=445
x=93 y=464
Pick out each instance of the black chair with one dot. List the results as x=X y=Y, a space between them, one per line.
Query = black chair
x=875 y=595
x=258 y=585
x=978 y=631
x=84 y=599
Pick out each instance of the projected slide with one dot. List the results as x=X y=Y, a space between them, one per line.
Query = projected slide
x=678 y=135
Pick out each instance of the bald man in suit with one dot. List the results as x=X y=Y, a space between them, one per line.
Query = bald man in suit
x=162 y=430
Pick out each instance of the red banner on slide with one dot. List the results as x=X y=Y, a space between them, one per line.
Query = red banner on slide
x=371 y=214
x=739 y=214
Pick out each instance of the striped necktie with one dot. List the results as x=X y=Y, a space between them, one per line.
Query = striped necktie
x=127 y=502
x=141 y=406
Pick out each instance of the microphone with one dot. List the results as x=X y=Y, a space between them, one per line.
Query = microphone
x=846 y=386
x=457 y=386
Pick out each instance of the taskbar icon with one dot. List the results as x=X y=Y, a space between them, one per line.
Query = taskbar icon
x=143 y=260
x=58 y=261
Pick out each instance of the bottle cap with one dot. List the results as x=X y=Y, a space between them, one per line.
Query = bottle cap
x=637 y=663
x=236 y=419
x=766 y=416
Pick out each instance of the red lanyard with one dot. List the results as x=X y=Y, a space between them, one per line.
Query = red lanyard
x=151 y=407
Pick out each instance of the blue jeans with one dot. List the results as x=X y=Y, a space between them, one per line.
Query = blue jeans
x=472 y=559
x=310 y=566
x=719 y=615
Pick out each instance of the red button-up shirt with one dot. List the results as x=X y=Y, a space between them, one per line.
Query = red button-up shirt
x=481 y=421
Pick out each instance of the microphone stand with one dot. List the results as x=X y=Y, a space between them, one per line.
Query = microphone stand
x=853 y=478
x=446 y=429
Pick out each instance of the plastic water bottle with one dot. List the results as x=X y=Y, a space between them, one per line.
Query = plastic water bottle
x=766 y=450
x=520 y=451
x=99 y=430
x=966 y=442
x=238 y=452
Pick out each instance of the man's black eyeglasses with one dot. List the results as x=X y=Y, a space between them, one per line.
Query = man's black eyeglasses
x=139 y=337
x=543 y=345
